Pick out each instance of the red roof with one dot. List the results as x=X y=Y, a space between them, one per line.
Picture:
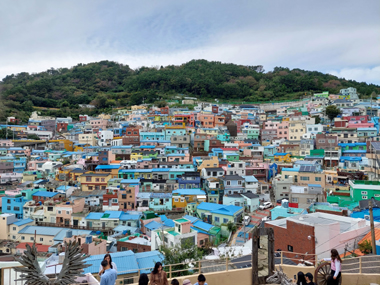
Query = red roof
x=40 y=247
x=227 y=148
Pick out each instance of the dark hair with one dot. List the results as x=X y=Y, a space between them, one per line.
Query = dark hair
x=201 y=278
x=335 y=255
x=156 y=266
x=109 y=255
x=143 y=280
x=310 y=276
x=174 y=282
x=301 y=278
x=104 y=263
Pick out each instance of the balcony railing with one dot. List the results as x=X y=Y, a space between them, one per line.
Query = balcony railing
x=44 y=224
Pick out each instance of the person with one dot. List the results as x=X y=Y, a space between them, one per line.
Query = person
x=201 y=280
x=309 y=279
x=300 y=279
x=143 y=280
x=158 y=276
x=112 y=264
x=174 y=282
x=186 y=282
x=109 y=275
x=336 y=265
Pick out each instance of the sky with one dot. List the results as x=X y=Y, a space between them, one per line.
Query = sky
x=340 y=37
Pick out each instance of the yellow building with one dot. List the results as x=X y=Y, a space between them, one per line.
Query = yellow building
x=66 y=144
x=210 y=162
x=282 y=157
x=94 y=181
x=296 y=130
x=136 y=156
x=138 y=107
x=89 y=139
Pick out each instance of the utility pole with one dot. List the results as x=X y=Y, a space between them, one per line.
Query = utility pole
x=370 y=206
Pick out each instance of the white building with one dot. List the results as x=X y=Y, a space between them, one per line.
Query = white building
x=181 y=232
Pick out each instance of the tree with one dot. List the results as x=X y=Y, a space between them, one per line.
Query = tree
x=332 y=112
x=33 y=137
x=365 y=247
x=317 y=119
x=161 y=104
x=4 y=132
x=231 y=226
x=185 y=252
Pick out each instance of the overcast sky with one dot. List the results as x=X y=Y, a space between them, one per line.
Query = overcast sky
x=340 y=37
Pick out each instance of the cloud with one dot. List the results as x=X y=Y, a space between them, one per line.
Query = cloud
x=339 y=37
x=359 y=74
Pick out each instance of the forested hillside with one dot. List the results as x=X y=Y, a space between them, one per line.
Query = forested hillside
x=108 y=84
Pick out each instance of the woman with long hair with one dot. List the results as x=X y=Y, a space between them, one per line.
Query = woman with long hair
x=300 y=279
x=109 y=260
x=158 y=276
x=336 y=265
x=143 y=280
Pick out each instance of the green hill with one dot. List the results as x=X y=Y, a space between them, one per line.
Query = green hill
x=106 y=84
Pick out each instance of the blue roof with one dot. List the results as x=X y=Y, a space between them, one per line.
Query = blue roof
x=227 y=210
x=62 y=234
x=147 y=260
x=196 y=191
x=280 y=153
x=125 y=260
x=209 y=206
x=45 y=194
x=169 y=223
x=350 y=158
x=203 y=226
x=113 y=214
x=94 y=216
x=47 y=231
x=354 y=151
x=367 y=129
x=22 y=222
x=290 y=169
x=190 y=218
x=121 y=228
x=63 y=187
x=314 y=185
x=112 y=166
x=128 y=217
x=160 y=195
x=250 y=178
x=153 y=225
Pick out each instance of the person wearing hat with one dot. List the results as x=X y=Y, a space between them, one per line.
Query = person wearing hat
x=186 y=282
x=309 y=279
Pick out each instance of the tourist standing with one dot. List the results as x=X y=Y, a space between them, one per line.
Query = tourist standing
x=336 y=265
x=158 y=276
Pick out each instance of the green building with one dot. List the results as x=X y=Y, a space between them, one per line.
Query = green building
x=363 y=190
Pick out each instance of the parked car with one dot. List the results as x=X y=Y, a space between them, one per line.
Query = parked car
x=247 y=220
x=265 y=205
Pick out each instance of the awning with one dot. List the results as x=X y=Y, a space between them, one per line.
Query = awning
x=343 y=177
x=201 y=196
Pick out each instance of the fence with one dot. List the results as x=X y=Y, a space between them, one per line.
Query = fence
x=353 y=268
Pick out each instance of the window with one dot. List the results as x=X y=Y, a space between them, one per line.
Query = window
x=318 y=179
x=14 y=228
x=103 y=180
x=310 y=200
x=290 y=248
x=67 y=212
x=228 y=182
x=96 y=179
x=88 y=179
x=364 y=197
x=9 y=208
x=216 y=219
x=225 y=221
x=294 y=200
x=240 y=182
x=364 y=192
x=31 y=238
x=304 y=178
x=22 y=238
x=41 y=239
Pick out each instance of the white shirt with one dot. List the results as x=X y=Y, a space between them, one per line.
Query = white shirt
x=113 y=266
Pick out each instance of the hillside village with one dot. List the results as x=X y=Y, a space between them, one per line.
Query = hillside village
x=140 y=178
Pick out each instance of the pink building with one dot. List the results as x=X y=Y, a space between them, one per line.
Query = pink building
x=6 y=143
x=91 y=245
x=207 y=121
x=99 y=123
x=283 y=130
x=66 y=209
x=36 y=164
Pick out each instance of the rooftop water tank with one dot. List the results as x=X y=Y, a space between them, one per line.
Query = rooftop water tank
x=88 y=239
x=285 y=203
x=69 y=233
